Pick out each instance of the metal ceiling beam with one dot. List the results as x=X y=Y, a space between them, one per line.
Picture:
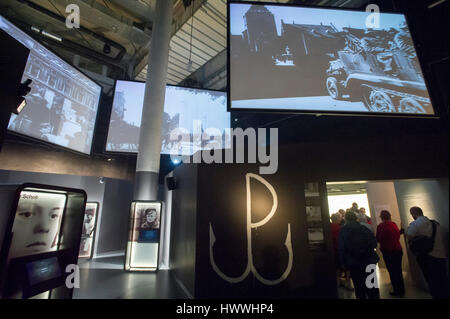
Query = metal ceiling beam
x=100 y=37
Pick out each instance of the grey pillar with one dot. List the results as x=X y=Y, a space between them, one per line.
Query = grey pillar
x=148 y=159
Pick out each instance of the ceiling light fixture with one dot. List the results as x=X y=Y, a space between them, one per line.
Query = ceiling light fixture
x=51 y=36
x=436 y=4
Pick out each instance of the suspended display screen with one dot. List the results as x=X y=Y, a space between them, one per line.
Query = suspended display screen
x=193 y=110
x=62 y=106
x=290 y=58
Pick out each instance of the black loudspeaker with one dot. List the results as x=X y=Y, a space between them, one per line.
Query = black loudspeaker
x=171 y=183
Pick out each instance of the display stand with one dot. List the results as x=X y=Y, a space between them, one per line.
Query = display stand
x=142 y=251
x=89 y=230
x=40 y=232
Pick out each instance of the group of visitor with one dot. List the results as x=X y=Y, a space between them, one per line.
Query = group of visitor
x=355 y=241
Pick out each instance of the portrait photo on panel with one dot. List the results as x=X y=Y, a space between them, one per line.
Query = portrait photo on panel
x=37 y=223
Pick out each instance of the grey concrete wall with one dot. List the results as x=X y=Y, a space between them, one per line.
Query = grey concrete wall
x=27 y=158
x=432 y=196
x=113 y=223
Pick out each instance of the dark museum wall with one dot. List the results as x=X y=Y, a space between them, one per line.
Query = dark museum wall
x=221 y=201
x=24 y=157
x=223 y=196
x=113 y=210
x=183 y=240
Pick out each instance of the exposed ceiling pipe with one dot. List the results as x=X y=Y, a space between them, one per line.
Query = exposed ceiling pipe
x=70 y=46
x=122 y=50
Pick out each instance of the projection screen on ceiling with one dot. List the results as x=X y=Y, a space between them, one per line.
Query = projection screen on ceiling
x=194 y=110
x=290 y=58
x=62 y=105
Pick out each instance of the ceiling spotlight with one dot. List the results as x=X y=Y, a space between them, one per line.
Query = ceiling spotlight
x=176 y=160
x=189 y=66
x=107 y=48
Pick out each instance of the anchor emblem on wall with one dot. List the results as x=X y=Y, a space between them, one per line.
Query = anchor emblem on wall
x=250 y=266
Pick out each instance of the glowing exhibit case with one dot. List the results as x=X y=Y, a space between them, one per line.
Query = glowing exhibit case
x=88 y=233
x=142 y=252
x=40 y=232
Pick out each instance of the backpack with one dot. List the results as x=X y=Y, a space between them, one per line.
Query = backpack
x=421 y=244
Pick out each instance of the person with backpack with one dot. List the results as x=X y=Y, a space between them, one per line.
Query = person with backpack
x=356 y=247
x=426 y=242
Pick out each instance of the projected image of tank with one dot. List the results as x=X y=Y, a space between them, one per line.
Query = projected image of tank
x=381 y=69
x=284 y=57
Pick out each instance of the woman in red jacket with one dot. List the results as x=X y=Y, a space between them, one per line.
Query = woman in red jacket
x=388 y=235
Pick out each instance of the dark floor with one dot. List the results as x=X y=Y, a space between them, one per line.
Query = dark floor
x=105 y=278
x=411 y=291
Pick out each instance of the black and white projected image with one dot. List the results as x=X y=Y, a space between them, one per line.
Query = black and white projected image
x=37 y=223
x=62 y=105
x=147 y=222
x=87 y=235
x=194 y=110
x=323 y=60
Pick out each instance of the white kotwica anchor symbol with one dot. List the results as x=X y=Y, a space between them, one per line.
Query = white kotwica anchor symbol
x=250 y=226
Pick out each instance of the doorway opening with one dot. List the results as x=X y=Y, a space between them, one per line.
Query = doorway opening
x=397 y=197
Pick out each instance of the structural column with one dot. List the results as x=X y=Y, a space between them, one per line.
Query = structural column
x=148 y=159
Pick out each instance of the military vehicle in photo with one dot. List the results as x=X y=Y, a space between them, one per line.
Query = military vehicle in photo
x=379 y=68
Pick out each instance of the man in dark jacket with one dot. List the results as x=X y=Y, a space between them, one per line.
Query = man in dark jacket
x=356 y=252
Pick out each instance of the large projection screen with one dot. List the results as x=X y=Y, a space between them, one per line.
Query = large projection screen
x=325 y=61
x=194 y=110
x=62 y=105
